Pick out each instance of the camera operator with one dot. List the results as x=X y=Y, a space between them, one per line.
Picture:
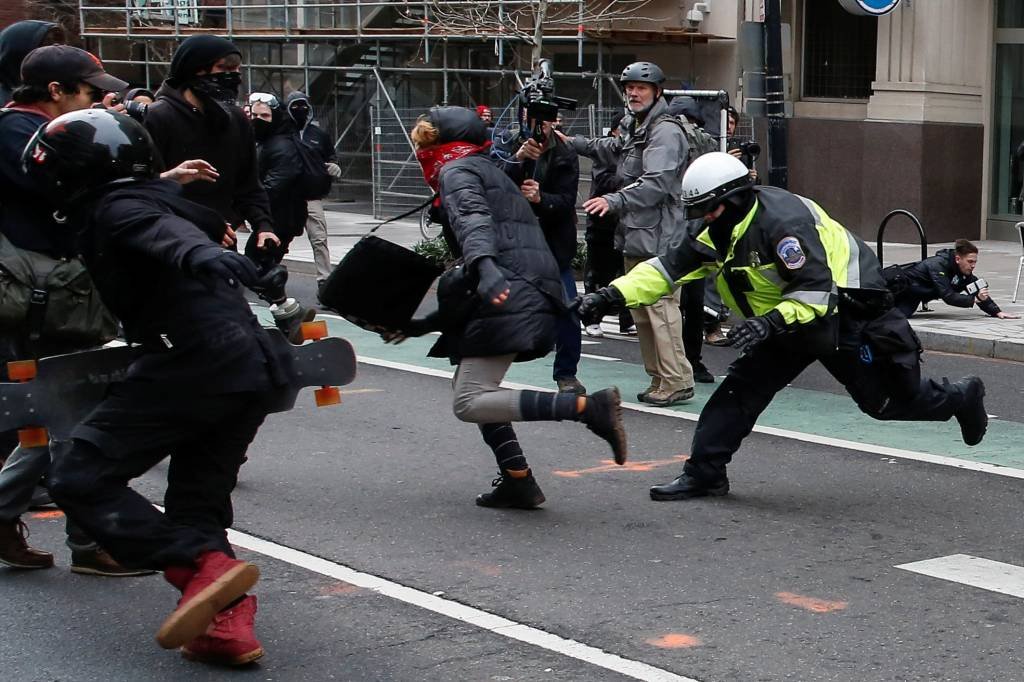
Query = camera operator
x=135 y=102
x=744 y=149
x=948 y=275
x=548 y=174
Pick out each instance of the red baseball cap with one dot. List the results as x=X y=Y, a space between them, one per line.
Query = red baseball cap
x=67 y=64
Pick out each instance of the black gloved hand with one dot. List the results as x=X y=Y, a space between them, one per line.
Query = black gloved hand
x=212 y=264
x=592 y=307
x=748 y=333
x=492 y=284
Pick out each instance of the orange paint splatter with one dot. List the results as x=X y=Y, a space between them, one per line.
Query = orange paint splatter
x=489 y=570
x=674 y=640
x=56 y=514
x=609 y=465
x=340 y=588
x=810 y=603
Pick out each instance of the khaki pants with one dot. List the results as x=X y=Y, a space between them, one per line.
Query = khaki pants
x=659 y=328
x=316 y=230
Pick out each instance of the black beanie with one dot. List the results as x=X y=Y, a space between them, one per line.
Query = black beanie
x=198 y=53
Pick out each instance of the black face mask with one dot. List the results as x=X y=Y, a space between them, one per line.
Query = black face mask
x=300 y=115
x=221 y=87
x=261 y=129
x=736 y=209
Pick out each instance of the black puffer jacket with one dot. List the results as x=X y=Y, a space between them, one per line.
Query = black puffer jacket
x=485 y=214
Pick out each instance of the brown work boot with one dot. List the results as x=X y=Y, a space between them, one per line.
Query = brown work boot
x=98 y=562
x=14 y=550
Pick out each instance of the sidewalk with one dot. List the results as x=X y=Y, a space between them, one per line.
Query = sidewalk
x=953 y=330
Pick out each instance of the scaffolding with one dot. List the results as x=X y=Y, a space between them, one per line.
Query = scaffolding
x=370 y=67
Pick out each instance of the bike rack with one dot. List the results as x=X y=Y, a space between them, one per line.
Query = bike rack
x=917 y=224
x=920 y=232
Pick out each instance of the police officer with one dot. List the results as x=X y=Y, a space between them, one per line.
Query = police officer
x=810 y=290
x=653 y=157
x=198 y=390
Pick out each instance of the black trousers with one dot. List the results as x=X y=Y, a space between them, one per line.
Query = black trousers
x=755 y=377
x=691 y=305
x=134 y=428
x=604 y=263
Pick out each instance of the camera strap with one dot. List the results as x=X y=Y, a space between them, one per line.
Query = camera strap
x=403 y=215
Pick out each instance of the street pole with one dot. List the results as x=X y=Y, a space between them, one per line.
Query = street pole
x=775 y=96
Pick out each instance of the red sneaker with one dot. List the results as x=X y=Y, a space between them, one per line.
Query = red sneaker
x=217 y=581
x=230 y=639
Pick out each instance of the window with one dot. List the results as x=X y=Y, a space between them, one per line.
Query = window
x=839 y=52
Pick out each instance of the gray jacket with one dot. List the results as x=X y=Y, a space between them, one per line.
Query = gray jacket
x=653 y=156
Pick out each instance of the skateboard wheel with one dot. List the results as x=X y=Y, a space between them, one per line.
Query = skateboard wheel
x=328 y=395
x=33 y=437
x=314 y=331
x=21 y=370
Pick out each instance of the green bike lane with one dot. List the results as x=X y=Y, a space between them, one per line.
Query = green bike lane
x=825 y=418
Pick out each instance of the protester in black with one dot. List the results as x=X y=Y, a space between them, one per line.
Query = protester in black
x=511 y=318
x=56 y=79
x=195 y=117
x=16 y=41
x=280 y=170
x=198 y=390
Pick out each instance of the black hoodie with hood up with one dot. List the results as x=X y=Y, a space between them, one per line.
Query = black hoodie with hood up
x=313 y=135
x=16 y=41
x=219 y=134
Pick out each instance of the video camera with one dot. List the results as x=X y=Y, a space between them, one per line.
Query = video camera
x=538 y=102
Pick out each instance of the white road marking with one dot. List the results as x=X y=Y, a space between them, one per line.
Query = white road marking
x=585 y=342
x=461 y=612
x=871 y=448
x=994 y=576
x=598 y=357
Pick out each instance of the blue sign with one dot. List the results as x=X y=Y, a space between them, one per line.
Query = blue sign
x=871 y=8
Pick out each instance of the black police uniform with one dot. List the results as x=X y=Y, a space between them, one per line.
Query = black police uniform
x=198 y=391
x=936 y=277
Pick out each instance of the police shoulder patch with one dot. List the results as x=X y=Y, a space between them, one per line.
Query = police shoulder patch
x=790 y=253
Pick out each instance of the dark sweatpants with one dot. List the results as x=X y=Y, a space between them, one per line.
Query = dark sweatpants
x=136 y=426
x=755 y=377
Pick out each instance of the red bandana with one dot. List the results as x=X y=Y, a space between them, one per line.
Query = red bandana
x=433 y=158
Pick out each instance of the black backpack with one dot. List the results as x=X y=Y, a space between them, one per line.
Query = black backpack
x=315 y=181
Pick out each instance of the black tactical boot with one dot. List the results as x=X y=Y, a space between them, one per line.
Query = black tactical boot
x=521 y=493
x=972 y=415
x=685 y=486
x=603 y=416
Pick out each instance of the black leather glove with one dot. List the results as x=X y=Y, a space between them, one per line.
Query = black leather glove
x=592 y=307
x=491 y=282
x=748 y=333
x=214 y=264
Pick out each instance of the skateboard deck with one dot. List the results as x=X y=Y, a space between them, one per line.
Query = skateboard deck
x=49 y=397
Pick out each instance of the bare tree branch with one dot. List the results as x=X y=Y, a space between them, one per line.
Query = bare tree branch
x=522 y=21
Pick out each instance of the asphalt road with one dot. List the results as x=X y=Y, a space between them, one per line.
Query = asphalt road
x=793 y=576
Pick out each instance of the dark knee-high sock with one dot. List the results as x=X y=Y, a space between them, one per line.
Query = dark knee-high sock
x=539 y=406
x=503 y=442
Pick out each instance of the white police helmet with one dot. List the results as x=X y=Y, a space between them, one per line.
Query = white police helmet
x=711 y=178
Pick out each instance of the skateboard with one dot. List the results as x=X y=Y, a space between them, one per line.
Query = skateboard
x=47 y=398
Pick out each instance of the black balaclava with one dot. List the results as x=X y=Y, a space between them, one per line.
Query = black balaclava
x=279 y=123
x=217 y=91
x=299 y=109
x=737 y=207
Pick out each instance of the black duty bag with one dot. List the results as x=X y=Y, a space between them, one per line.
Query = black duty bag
x=315 y=181
x=378 y=284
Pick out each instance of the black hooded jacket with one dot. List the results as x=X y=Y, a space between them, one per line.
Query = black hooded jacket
x=939 y=277
x=16 y=41
x=485 y=215
x=135 y=240
x=218 y=134
x=280 y=170
x=312 y=134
